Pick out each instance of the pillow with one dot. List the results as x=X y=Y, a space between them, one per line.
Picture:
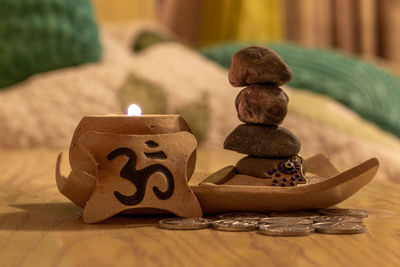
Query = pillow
x=41 y=35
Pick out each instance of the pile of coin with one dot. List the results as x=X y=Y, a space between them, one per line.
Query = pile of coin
x=295 y=223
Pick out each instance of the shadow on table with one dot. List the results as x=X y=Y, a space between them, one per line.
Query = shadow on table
x=64 y=216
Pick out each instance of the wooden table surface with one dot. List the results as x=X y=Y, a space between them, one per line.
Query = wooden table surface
x=40 y=227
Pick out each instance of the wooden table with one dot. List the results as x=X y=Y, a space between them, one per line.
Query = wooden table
x=40 y=227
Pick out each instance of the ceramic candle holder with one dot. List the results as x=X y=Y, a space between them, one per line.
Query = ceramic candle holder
x=134 y=164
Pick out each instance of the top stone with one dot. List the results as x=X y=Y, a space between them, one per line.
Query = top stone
x=256 y=64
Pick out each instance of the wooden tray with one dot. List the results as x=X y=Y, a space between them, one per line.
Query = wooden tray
x=327 y=188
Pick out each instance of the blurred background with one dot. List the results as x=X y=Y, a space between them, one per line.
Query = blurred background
x=369 y=28
x=63 y=59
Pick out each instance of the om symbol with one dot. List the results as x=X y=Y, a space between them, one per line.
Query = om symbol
x=140 y=177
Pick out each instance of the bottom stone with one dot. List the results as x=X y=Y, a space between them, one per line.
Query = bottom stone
x=256 y=166
x=241 y=179
x=263 y=167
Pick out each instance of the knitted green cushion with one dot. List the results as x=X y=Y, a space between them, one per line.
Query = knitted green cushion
x=41 y=35
x=368 y=90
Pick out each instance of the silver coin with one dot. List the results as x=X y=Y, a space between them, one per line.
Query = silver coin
x=345 y=212
x=339 y=228
x=304 y=214
x=286 y=220
x=255 y=220
x=232 y=225
x=254 y=216
x=286 y=229
x=185 y=223
x=337 y=219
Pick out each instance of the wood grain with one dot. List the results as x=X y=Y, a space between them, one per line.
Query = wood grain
x=39 y=227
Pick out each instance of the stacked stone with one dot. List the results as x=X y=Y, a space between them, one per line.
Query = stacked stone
x=262 y=106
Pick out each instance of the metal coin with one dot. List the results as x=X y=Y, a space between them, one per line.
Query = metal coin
x=286 y=229
x=345 y=212
x=335 y=219
x=241 y=215
x=339 y=228
x=305 y=214
x=286 y=220
x=232 y=225
x=185 y=223
x=255 y=220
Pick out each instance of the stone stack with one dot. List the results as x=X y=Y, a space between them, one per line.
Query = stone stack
x=272 y=150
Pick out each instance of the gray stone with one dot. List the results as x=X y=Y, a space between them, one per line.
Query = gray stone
x=262 y=104
x=256 y=64
x=263 y=141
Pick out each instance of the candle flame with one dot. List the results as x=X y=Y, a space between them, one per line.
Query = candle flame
x=134 y=110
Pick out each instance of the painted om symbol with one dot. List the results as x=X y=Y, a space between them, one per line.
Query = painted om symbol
x=140 y=177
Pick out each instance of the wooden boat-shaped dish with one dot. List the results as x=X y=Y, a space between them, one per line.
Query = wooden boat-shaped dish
x=327 y=188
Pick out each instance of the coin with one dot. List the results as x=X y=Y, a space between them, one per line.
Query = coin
x=337 y=219
x=185 y=223
x=233 y=225
x=305 y=214
x=255 y=220
x=286 y=220
x=241 y=215
x=339 y=228
x=345 y=212
x=286 y=229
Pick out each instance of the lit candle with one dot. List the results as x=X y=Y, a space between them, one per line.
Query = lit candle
x=134 y=110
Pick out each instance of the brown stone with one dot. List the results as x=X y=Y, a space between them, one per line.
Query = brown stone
x=259 y=167
x=257 y=64
x=263 y=141
x=255 y=166
x=262 y=104
x=247 y=180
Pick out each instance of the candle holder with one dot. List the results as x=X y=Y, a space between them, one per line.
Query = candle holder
x=132 y=164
